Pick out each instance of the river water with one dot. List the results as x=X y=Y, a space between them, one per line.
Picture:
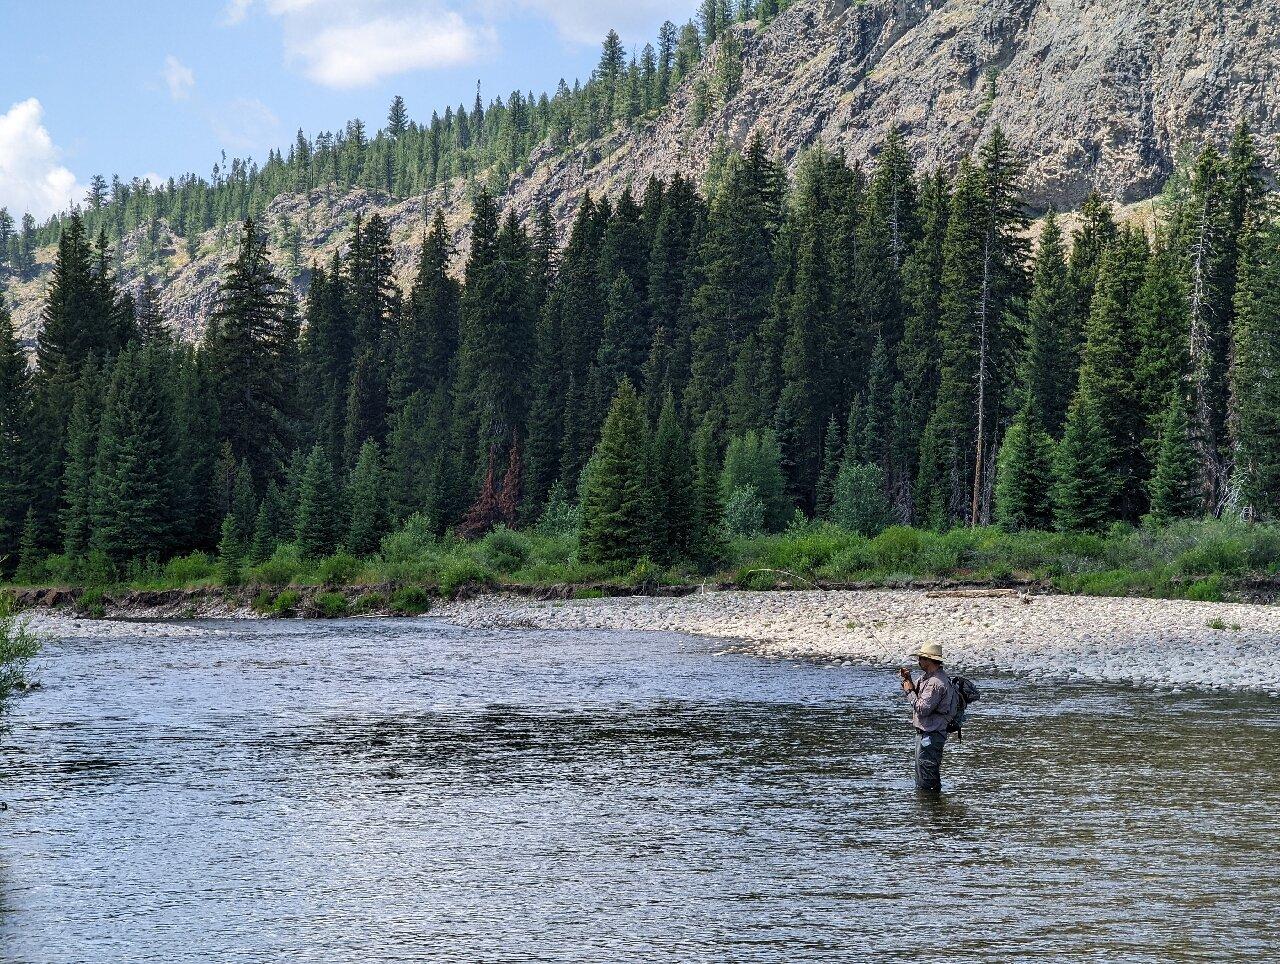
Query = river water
x=403 y=790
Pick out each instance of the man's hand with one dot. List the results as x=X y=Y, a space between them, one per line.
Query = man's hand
x=907 y=684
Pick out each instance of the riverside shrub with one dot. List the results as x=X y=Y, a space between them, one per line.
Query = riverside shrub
x=410 y=601
x=331 y=605
x=281 y=569
x=503 y=550
x=192 y=567
x=18 y=646
x=339 y=568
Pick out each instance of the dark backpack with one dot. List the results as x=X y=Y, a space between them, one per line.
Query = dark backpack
x=966 y=692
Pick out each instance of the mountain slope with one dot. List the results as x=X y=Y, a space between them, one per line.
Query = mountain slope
x=1093 y=93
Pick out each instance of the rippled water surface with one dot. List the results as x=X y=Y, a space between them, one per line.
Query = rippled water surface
x=368 y=791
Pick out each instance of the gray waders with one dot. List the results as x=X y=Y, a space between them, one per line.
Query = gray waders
x=929 y=761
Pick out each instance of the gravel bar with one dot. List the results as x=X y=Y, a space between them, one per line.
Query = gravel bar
x=1159 y=643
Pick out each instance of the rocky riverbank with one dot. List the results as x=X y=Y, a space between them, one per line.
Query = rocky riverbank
x=1165 y=643
x=1169 y=644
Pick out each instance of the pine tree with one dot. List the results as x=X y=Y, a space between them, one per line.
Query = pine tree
x=737 y=274
x=30 y=554
x=269 y=525
x=328 y=344
x=1096 y=232
x=318 y=514
x=623 y=341
x=397 y=117
x=1175 y=487
x=918 y=355
x=674 y=489
x=251 y=346
x=617 y=502
x=1160 y=328
x=149 y=321
x=76 y=516
x=1083 y=490
x=832 y=456
x=580 y=316
x=706 y=542
x=982 y=283
x=81 y=317
x=428 y=339
x=495 y=356
x=366 y=502
x=809 y=391
x=1051 y=356
x=1256 y=375
x=1024 y=474
x=132 y=484
x=15 y=451
x=374 y=307
x=231 y=553
x=1107 y=372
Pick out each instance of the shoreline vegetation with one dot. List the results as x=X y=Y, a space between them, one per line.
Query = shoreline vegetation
x=18 y=646
x=826 y=376
x=1205 y=561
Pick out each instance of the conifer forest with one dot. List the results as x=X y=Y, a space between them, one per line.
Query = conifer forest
x=855 y=347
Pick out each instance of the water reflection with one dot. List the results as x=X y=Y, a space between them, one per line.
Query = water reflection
x=405 y=791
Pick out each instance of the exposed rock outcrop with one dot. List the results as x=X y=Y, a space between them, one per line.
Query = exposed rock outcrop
x=1093 y=93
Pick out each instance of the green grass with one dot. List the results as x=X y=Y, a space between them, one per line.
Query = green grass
x=1205 y=560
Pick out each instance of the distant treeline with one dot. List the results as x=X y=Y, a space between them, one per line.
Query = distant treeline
x=865 y=347
x=482 y=144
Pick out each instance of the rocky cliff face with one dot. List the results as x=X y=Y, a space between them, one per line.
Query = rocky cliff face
x=1093 y=93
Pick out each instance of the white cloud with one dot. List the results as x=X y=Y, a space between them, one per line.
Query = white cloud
x=246 y=124
x=587 y=21
x=154 y=179
x=358 y=54
x=32 y=177
x=353 y=43
x=235 y=12
x=178 y=78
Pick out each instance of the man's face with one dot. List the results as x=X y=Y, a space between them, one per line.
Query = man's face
x=926 y=664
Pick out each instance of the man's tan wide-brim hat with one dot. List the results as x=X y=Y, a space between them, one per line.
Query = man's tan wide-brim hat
x=930 y=651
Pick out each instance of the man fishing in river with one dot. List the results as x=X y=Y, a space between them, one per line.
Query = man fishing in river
x=933 y=701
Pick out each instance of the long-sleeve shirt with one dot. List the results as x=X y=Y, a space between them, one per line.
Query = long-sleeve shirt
x=932 y=702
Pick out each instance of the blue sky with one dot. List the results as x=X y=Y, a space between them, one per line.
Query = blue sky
x=160 y=87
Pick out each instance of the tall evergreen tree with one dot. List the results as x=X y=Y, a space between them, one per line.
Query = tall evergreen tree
x=982 y=281
x=1256 y=375
x=1024 y=474
x=737 y=273
x=76 y=514
x=367 y=502
x=252 y=352
x=132 y=481
x=1083 y=489
x=15 y=441
x=675 y=506
x=1051 y=357
x=617 y=499
x=1107 y=373
x=497 y=334
x=1175 y=486
x=318 y=512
